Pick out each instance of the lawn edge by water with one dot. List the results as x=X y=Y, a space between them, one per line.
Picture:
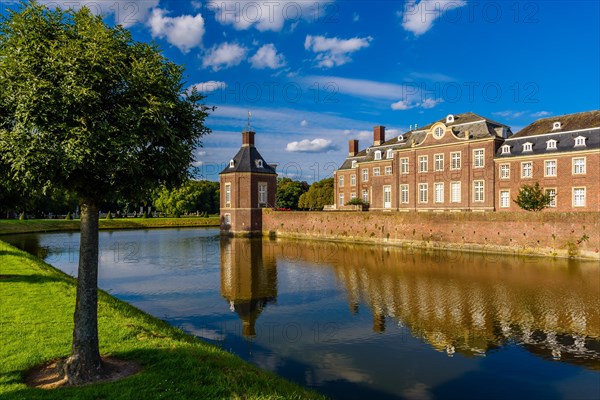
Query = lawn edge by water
x=8 y=226
x=37 y=304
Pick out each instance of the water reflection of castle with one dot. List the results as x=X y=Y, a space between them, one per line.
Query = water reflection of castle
x=248 y=279
x=465 y=303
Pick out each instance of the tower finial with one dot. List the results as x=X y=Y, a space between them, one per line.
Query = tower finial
x=249 y=115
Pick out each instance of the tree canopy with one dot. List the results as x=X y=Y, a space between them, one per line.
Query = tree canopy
x=318 y=196
x=532 y=198
x=87 y=110
x=289 y=192
x=192 y=196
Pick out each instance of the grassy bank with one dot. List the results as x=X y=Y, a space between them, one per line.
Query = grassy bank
x=11 y=226
x=37 y=304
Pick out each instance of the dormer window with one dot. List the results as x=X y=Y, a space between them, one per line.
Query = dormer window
x=551 y=144
x=231 y=163
x=449 y=118
x=378 y=155
x=580 y=141
x=259 y=163
x=555 y=125
x=354 y=164
x=527 y=147
x=505 y=149
x=389 y=154
x=439 y=132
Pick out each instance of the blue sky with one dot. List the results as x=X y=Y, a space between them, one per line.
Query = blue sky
x=317 y=73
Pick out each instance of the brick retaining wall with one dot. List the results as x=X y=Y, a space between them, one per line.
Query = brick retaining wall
x=528 y=233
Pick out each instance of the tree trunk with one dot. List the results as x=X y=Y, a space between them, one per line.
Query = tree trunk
x=84 y=364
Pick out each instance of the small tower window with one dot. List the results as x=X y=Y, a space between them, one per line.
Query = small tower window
x=449 y=118
x=259 y=163
x=527 y=147
x=354 y=164
x=439 y=132
x=505 y=149
x=556 y=125
x=551 y=144
x=231 y=163
x=580 y=141
x=389 y=154
x=378 y=155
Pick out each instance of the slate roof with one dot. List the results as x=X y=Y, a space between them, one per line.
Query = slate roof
x=565 y=141
x=245 y=161
x=569 y=122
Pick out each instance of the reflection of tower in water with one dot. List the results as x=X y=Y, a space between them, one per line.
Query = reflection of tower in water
x=248 y=279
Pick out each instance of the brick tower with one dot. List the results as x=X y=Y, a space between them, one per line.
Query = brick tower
x=248 y=185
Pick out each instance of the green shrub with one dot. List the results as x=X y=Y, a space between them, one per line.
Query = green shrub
x=108 y=215
x=22 y=216
x=68 y=216
x=356 y=202
x=532 y=198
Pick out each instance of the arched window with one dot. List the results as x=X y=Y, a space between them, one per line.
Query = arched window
x=378 y=155
x=231 y=163
x=551 y=144
x=527 y=146
x=259 y=163
x=389 y=153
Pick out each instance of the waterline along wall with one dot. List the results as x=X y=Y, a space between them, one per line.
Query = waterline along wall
x=526 y=233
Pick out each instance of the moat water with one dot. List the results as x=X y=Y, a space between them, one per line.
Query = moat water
x=363 y=322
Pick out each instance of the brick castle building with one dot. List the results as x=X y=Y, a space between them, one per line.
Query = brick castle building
x=467 y=162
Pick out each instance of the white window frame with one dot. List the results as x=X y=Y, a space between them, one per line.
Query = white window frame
x=530 y=163
x=438 y=132
x=547 y=164
x=262 y=193
x=478 y=158
x=423 y=164
x=227 y=219
x=387 y=196
x=353 y=195
x=365 y=175
x=455 y=162
x=423 y=193
x=354 y=162
x=365 y=195
x=353 y=180
x=404 y=194
x=228 y=195
x=377 y=155
x=453 y=192
x=504 y=171
x=376 y=171
x=479 y=191
x=552 y=192
x=580 y=141
x=404 y=168
x=527 y=147
x=575 y=201
x=438 y=192
x=502 y=199
x=505 y=149
x=388 y=170
x=259 y=163
x=579 y=169
x=231 y=163
x=389 y=153
x=341 y=199
x=438 y=162
x=551 y=144
x=341 y=181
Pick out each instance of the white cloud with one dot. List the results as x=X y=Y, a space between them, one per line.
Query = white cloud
x=184 y=32
x=402 y=105
x=310 y=146
x=430 y=103
x=332 y=52
x=541 y=114
x=264 y=16
x=418 y=16
x=125 y=12
x=509 y=114
x=208 y=86
x=267 y=57
x=304 y=123
x=355 y=17
x=225 y=55
x=407 y=105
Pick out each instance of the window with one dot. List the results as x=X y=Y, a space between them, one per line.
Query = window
x=227 y=219
x=259 y=163
x=478 y=161
x=455 y=192
x=404 y=194
x=580 y=141
x=556 y=125
x=579 y=165
x=578 y=197
x=455 y=161
x=404 y=165
x=353 y=195
x=365 y=175
x=422 y=193
x=550 y=168
x=527 y=147
x=341 y=181
x=365 y=195
x=228 y=195
x=438 y=162
x=352 y=180
x=504 y=198
x=504 y=171
x=505 y=149
x=449 y=118
x=262 y=193
x=378 y=155
x=231 y=163
x=354 y=162
x=387 y=197
x=527 y=169
x=389 y=154
x=439 y=192
x=376 y=171
x=478 y=191
x=439 y=132
x=423 y=163
x=341 y=199
x=388 y=170
x=552 y=194
x=551 y=144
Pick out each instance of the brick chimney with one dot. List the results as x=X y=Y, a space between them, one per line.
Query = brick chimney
x=248 y=138
x=352 y=148
x=378 y=135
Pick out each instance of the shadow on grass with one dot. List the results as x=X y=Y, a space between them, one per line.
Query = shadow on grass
x=189 y=372
x=34 y=279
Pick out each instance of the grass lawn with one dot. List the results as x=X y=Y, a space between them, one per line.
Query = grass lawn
x=8 y=226
x=36 y=312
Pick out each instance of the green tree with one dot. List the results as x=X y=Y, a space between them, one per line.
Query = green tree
x=533 y=198
x=318 y=196
x=289 y=192
x=86 y=109
x=191 y=196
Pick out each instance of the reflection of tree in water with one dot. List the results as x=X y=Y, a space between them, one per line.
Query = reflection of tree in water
x=248 y=279
x=471 y=303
